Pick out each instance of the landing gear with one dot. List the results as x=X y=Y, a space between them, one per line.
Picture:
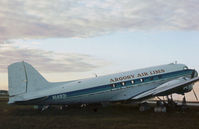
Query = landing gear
x=171 y=103
x=144 y=107
x=163 y=105
x=45 y=108
x=183 y=107
x=184 y=102
x=41 y=108
x=83 y=106
x=63 y=107
x=160 y=107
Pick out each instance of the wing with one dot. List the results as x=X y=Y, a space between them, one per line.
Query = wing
x=167 y=88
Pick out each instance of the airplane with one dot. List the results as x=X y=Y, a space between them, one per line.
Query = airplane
x=28 y=87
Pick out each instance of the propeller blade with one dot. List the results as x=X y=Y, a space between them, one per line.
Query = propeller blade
x=192 y=75
x=195 y=94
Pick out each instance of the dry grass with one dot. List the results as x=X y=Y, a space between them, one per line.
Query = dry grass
x=112 y=117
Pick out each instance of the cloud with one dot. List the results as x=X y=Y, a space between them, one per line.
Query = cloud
x=84 y=18
x=48 y=61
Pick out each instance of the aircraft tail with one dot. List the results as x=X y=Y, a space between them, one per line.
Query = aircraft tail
x=23 y=78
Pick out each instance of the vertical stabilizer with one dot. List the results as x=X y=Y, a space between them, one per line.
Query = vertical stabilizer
x=23 y=78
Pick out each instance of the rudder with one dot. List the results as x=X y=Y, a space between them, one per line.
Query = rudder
x=17 y=80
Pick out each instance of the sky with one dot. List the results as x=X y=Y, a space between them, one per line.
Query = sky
x=74 y=39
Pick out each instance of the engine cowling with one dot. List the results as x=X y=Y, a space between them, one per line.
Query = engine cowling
x=185 y=89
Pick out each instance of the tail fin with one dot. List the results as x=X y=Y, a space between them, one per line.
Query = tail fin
x=23 y=78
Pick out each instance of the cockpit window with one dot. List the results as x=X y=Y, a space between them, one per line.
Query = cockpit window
x=185 y=68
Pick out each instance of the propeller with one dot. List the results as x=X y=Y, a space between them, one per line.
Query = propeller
x=195 y=94
x=192 y=76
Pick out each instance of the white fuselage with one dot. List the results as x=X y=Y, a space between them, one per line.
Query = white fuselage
x=114 y=87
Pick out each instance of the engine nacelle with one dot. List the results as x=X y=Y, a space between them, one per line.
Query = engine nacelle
x=187 y=88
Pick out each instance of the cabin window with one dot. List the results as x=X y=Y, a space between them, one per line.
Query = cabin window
x=159 y=76
x=113 y=85
x=151 y=78
x=142 y=80
x=132 y=82
x=123 y=83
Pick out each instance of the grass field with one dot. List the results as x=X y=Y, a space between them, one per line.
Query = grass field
x=111 y=117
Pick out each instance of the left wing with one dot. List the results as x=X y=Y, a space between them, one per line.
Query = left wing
x=168 y=87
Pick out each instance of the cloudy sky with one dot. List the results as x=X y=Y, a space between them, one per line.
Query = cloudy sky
x=72 y=39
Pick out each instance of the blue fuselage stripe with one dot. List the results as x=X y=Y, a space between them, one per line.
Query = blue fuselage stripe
x=128 y=83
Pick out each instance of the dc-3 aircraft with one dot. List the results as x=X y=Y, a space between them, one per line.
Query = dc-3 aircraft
x=28 y=87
